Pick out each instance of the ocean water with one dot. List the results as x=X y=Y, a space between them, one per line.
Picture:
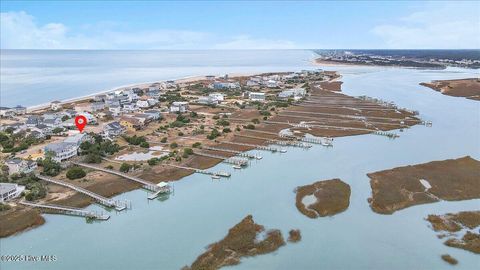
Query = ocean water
x=168 y=234
x=33 y=77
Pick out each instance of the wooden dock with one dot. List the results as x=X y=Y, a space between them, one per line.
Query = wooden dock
x=219 y=173
x=118 y=205
x=238 y=153
x=231 y=160
x=257 y=146
x=68 y=211
x=155 y=188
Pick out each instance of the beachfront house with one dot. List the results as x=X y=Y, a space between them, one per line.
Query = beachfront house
x=131 y=123
x=113 y=129
x=91 y=120
x=207 y=100
x=56 y=105
x=256 y=96
x=153 y=114
x=271 y=84
x=143 y=104
x=17 y=166
x=115 y=109
x=97 y=106
x=225 y=85
x=78 y=139
x=61 y=151
x=9 y=191
x=217 y=96
x=295 y=93
x=179 y=107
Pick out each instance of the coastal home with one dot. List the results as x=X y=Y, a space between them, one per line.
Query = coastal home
x=52 y=122
x=62 y=151
x=152 y=102
x=179 y=107
x=131 y=123
x=78 y=139
x=217 y=96
x=44 y=129
x=252 y=83
x=129 y=107
x=256 y=96
x=9 y=191
x=143 y=118
x=115 y=109
x=56 y=105
x=295 y=93
x=225 y=85
x=153 y=114
x=17 y=166
x=112 y=102
x=207 y=100
x=143 y=104
x=271 y=84
x=210 y=77
x=97 y=106
x=37 y=134
x=155 y=94
x=91 y=120
x=100 y=98
x=10 y=112
x=15 y=127
x=113 y=129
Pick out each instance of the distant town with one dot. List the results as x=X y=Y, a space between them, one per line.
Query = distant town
x=435 y=59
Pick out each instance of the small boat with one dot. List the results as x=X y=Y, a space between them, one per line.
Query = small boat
x=236 y=167
x=258 y=157
x=215 y=177
x=283 y=150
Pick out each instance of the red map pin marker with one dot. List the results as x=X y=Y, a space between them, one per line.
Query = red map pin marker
x=80 y=122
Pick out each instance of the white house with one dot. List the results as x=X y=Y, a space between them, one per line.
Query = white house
x=115 y=109
x=217 y=96
x=271 y=83
x=130 y=107
x=179 y=107
x=78 y=139
x=10 y=191
x=143 y=104
x=256 y=96
x=90 y=118
x=56 y=105
x=295 y=93
x=62 y=151
x=17 y=165
x=207 y=100
x=113 y=129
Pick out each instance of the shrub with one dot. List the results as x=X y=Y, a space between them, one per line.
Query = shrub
x=196 y=145
x=173 y=145
x=163 y=140
x=75 y=173
x=226 y=130
x=187 y=151
x=250 y=126
x=180 y=134
x=125 y=167
x=214 y=134
x=144 y=145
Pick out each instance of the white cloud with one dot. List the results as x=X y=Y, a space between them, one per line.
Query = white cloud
x=19 y=30
x=446 y=27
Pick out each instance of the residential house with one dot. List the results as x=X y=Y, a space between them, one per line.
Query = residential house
x=97 y=106
x=78 y=139
x=143 y=104
x=131 y=123
x=271 y=83
x=113 y=129
x=295 y=93
x=115 y=109
x=17 y=166
x=207 y=100
x=256 y=96
x=91 y=120
x=152 y=102
x=10 y=112
x=129 y=107
x=62 y=151
x=179 y=107
x=100 y=98
x=217 y=96
x=153 y=114
x=56 y=105
x=9 y=191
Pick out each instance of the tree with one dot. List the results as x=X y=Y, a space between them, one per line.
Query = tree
x=144 y=145
x=125 y=167
x=214 y=134
x=249 y=126
x=163 y=140
x=196 y=145
x=76 y=173
x=173 y=145
x=50 y=166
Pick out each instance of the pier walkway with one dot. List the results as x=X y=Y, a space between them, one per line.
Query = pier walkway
x=219 y=173
x=257 y=146
x=118 y=205
x=69 y=211
x=231 y=160
x=238 y=153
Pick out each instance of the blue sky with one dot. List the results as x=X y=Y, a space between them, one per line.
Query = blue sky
x=239 y=25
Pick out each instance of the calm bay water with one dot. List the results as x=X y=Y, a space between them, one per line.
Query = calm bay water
x=172 y=233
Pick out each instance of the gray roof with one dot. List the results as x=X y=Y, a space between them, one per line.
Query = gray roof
x=7 y=187
x=14 y=161
x=58 y=147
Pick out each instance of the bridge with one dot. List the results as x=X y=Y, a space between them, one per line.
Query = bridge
x=69 y=211
x=118 y=205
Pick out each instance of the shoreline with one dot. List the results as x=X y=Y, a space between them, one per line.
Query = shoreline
x=185 y=79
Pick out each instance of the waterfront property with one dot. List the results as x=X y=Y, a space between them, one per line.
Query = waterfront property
x=179 y=107
x=17 y=165
x=9 y=191
x=256 y=96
